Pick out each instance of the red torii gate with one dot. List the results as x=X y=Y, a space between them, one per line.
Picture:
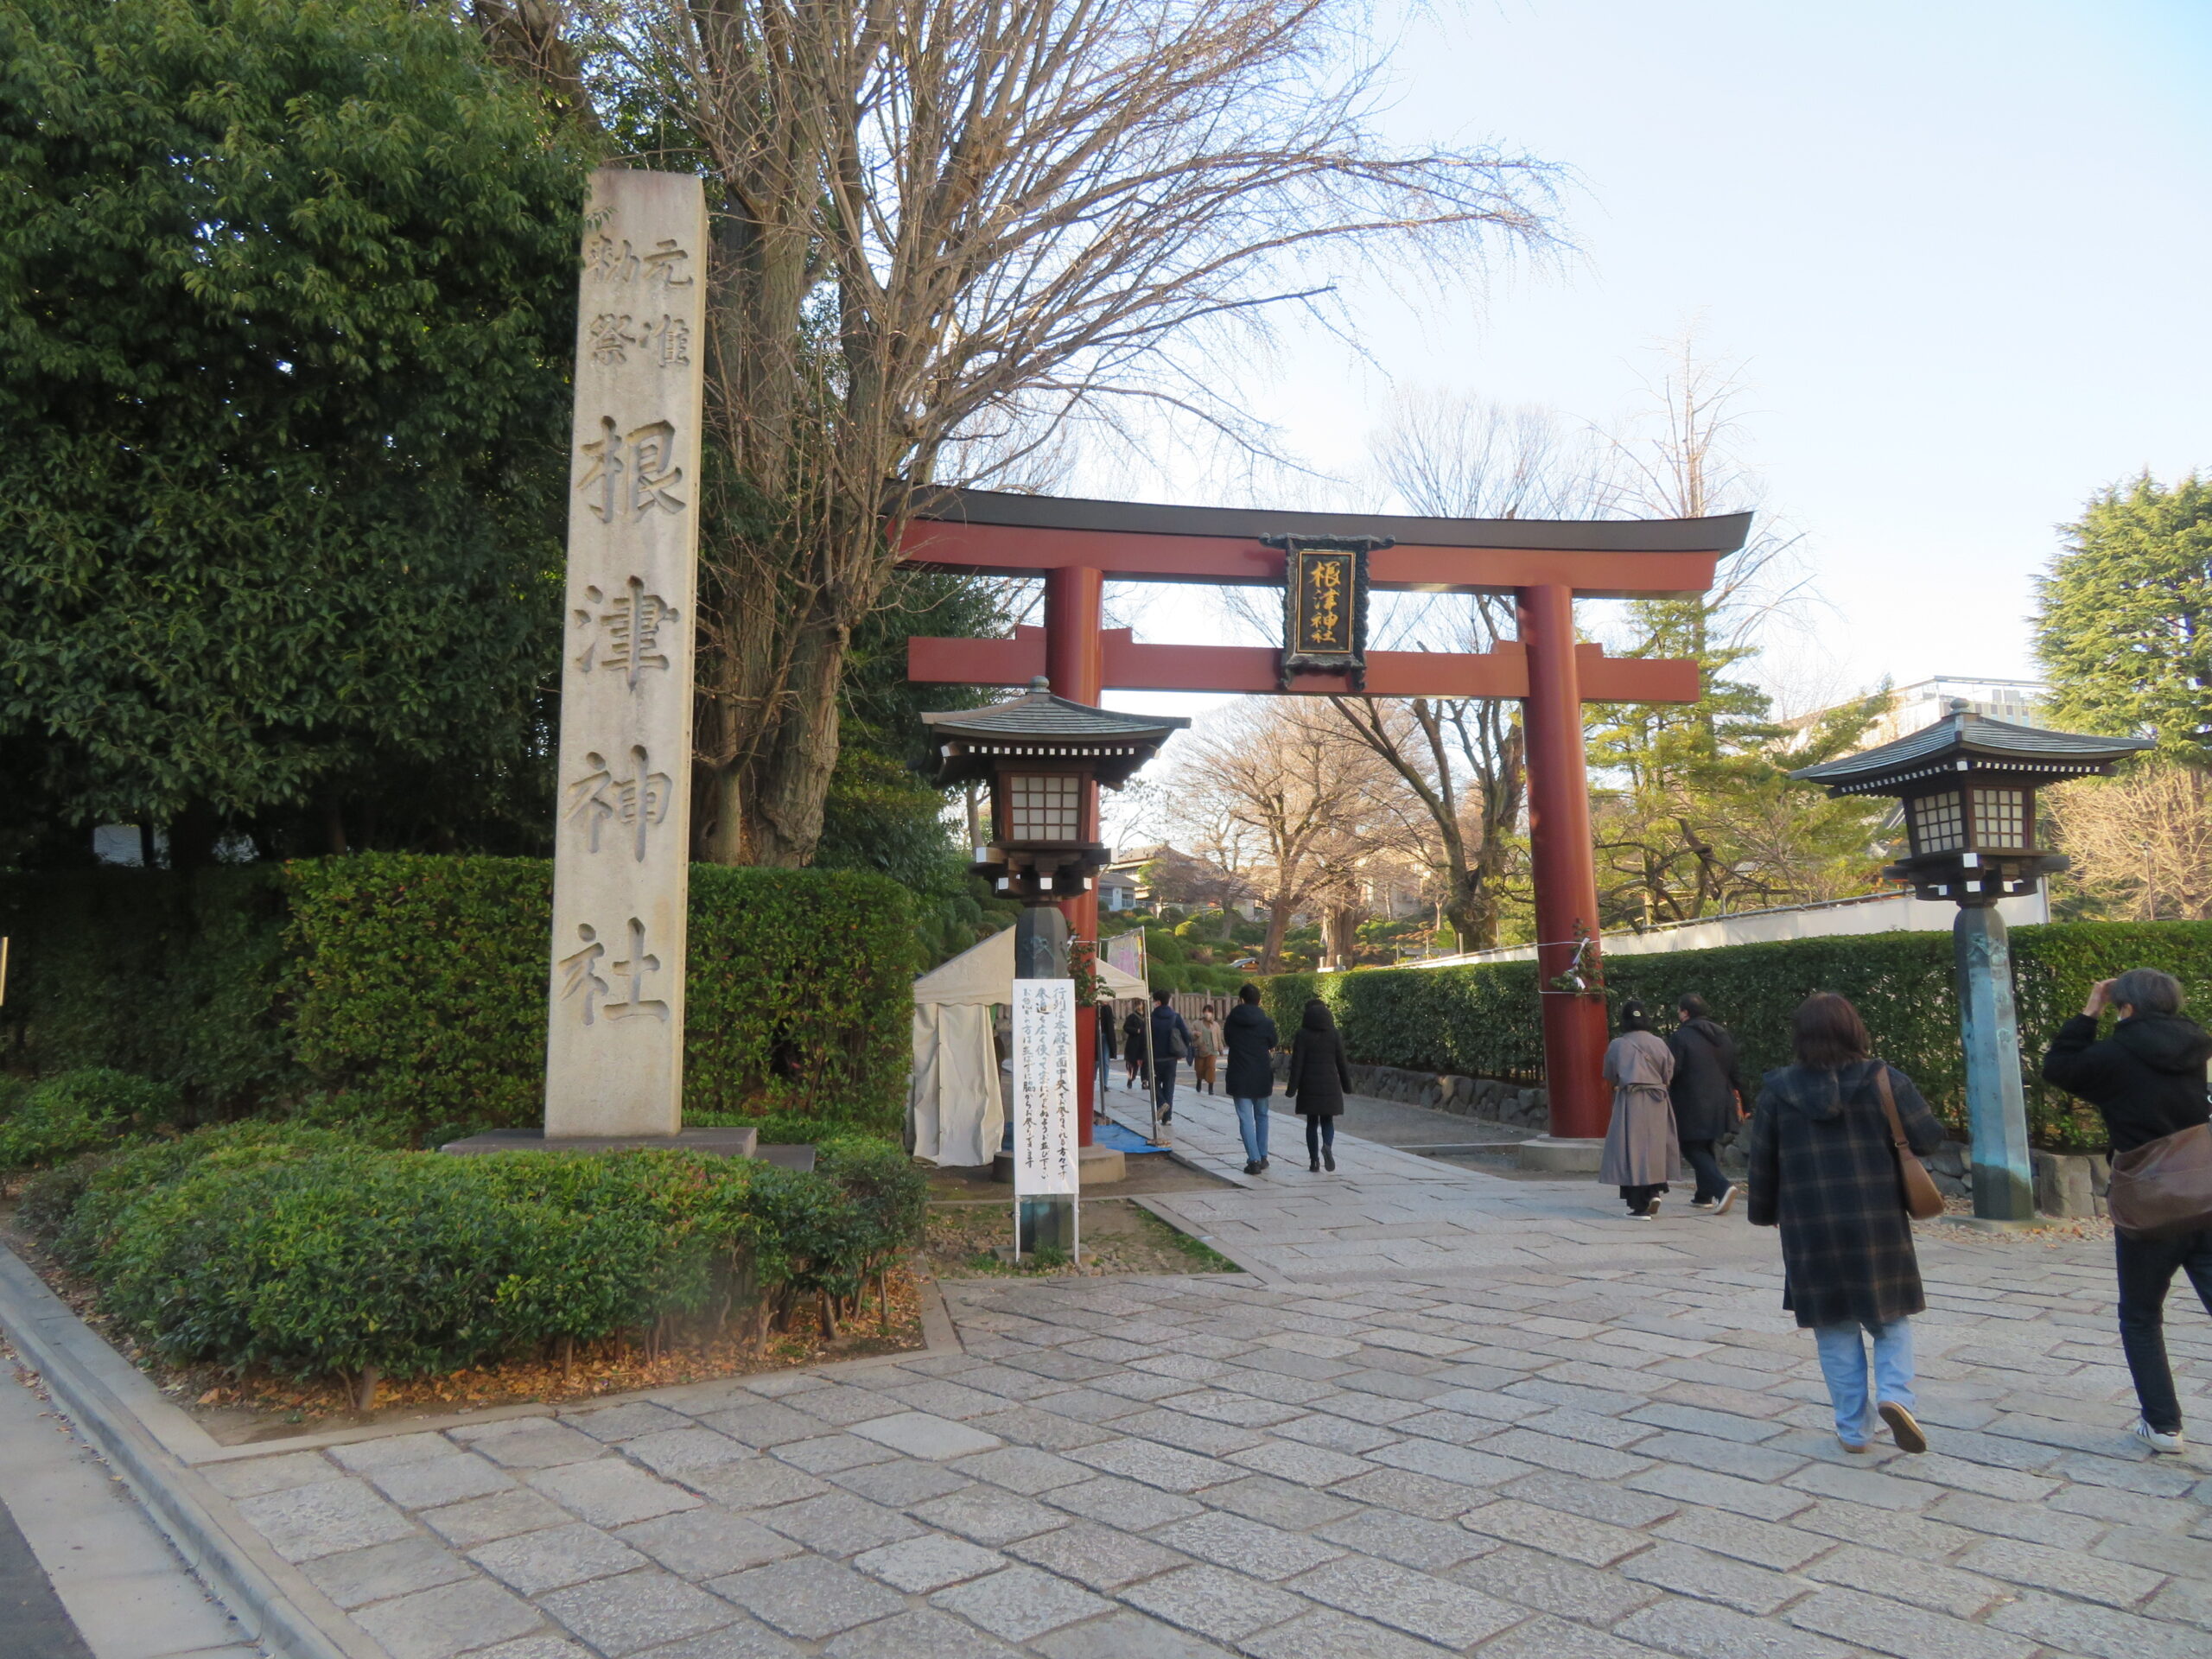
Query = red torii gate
x=1076 y=545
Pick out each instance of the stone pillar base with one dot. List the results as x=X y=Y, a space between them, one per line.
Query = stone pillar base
x=1562 y=1156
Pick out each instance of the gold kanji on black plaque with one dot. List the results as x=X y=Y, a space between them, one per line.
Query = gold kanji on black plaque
x=1325 y=605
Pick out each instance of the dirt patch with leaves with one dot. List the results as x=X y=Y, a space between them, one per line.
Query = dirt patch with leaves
x=961 y=1241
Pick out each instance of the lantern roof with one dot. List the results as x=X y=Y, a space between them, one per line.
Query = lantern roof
x=1964 y=741
x=1038 y=726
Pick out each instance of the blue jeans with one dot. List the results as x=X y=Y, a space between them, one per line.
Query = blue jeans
x=1252 y=1124
x=1843 y=1363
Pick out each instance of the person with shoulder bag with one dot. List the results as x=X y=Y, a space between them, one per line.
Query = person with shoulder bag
x=2147 y=1081
x=1710 y=1098
x=1831 y=1164
x=1170 y=1041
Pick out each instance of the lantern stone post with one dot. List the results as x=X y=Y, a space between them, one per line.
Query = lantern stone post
x=1969 y=785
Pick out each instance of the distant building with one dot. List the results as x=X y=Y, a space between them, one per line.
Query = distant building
x=1160 y=875
x=1925 y=701
x=1117 y=893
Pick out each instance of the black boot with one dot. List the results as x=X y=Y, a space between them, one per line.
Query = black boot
x=1329 y=1160
x=1315 y=1166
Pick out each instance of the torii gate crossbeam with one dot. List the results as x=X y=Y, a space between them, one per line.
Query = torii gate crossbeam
x=1544 y=564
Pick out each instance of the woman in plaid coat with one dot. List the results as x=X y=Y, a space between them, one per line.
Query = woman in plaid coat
x=1822 y=1168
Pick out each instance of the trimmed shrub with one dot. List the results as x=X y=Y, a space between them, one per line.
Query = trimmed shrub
x=78 y=1111
x=1483 y=1021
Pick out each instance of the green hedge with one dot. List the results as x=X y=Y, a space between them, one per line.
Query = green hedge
x=416 y=986
x=253 y=1246
x=1483 y=1021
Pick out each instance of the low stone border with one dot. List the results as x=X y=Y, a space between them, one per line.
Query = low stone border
x=159 y=1450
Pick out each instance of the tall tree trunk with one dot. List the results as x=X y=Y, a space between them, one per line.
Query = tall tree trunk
x=1278 y=924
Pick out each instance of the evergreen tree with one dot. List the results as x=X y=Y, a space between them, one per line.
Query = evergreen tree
x=2124 y=628
x=287 y=294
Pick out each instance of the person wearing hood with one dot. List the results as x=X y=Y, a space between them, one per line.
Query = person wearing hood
x=1319 y=1074
x=2147 y=1080
x=1709 y=1096
x=1248 y=1037
x=1824 y=1168
x=1640 y=1140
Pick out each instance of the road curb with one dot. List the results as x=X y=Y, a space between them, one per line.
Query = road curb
x=270 y=1598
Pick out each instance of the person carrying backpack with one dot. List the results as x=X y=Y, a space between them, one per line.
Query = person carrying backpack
x=2147 y=1081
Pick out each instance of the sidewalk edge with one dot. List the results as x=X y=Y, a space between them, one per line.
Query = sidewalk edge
x=270 y=1598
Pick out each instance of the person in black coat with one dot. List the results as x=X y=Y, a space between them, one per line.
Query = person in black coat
x=1319 y=1076
x=1133 y=1043
x=1709 y=1096
x=1248 y=1038
x=2147 y=1080
x=1822 y=1166
x=1170 y=1041
x=1109 y=1046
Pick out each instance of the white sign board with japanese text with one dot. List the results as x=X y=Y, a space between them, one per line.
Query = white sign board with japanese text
x=1044 y=1105
x=621 y=859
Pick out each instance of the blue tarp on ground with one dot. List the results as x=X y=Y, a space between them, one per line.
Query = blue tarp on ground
x=1105 y=1132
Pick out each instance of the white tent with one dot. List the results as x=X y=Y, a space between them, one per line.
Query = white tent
x=955 y=1113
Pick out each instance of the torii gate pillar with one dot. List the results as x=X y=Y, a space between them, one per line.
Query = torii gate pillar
x=1563 y=861
x=1075 y=662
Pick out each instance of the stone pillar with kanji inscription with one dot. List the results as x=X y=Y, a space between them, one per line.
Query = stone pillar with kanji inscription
x=614 y=1048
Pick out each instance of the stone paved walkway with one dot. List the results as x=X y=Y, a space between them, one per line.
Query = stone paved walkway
x=1445 y=1413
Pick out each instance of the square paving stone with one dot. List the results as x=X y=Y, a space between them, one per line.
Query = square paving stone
x=608 y=1492
x=1214 y=1601
x=901 y=1482
x=1308 y=1466
x=707 y=1543
x=1765 y=1543
x=530 y=1647
x=1532 y=1579
x=1021 y=1602
x=1163 y=1467
x=1126 y=1635
x=1594 y=1543
x=921 y=1635
x=1907 y=1578
x=638 y=1611
x=1597 y=1499
x=755 y=1483
x=745 y=1637
x=1707 y=1577
x=1546 y=1638
x=1722 y=1493
x=2083 y=1627
x=534 y=1563
x=764 y=1424
x=1099 y=1556
x=991 y=1516
x=1248 y=1546
x=354 y=1578
x=1265 y=1498
x=1427 y=1606
x=528 y=1443
x=1409 y=1540
x=1028 y=1426
x=930 y=1562
x=361 y=1456
x=617 y=1423
x=839 y=1523
x=842 y=1407
x=681 y=1451
x=1127 y=1504
x=918 y=1434
x=2070 y=1572
x=1025 y=1470
x=432 y=1483
x=501 y=1515
x=251 y=1476
x=301 y=1522
x=809 y=1597
x=1199 y=1435
x=1703 y=1631
x=1421 y=1495
x=830 y=1454
x=1326 y=1633
x=452 y=1618
x=1337 y=1433
x=1883 y=1626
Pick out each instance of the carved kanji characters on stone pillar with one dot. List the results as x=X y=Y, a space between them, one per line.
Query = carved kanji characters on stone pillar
x=614 y=1034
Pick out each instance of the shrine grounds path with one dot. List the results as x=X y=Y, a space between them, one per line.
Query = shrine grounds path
x=1442 y=1413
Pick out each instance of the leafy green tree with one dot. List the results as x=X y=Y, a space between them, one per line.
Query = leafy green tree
x=2124 y=628
x=286 y=294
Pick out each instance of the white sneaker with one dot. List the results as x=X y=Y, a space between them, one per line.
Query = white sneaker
x=1727 y=1198
x=1651 y=1210
x=2171 y=1445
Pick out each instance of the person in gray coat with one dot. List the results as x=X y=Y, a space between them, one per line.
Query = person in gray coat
x=1319 y=1074
x=1640 y=1140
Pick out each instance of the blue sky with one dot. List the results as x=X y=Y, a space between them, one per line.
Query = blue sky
x=1962 y=251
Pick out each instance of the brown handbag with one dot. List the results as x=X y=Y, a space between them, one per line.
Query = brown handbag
x=1923 y=1200
x=2163 y=1186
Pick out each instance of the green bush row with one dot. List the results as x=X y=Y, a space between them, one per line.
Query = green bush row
x=416 y=986
x=1484 y=1021
x=306 y=1253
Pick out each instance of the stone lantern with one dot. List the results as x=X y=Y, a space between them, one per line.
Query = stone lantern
x=1968 y=787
